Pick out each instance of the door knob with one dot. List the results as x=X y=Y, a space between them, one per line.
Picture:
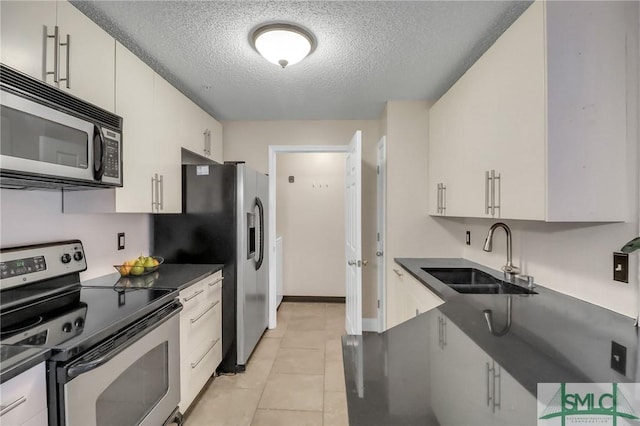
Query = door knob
x=365 y=262
x=378 y=253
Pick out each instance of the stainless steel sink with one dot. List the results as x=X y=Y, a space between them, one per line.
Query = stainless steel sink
x=471 y=280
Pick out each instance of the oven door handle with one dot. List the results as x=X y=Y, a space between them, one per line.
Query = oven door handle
x=75 y=370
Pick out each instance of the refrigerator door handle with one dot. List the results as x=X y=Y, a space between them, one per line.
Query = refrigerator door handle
x=261 y=245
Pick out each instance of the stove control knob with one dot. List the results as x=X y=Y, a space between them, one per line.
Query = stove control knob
x=66 y=258
x=67 y=327
x=77 y=256
x=79 y=322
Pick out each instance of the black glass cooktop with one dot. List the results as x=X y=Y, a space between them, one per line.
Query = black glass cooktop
x=75 y=318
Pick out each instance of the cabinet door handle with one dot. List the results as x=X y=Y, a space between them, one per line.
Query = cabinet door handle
x=444 y=199
x=56 y=40
x=444 y=332
x=438 y=199
x=67 y=79
x=4 y=409
x=195 y=364
x=494 y=191
x=186 y=299
x=194 y=320
x=211 y=284
x=497 y=383
x=161 y=191
x=489 y=370
x=153 y=193
x=487 y=178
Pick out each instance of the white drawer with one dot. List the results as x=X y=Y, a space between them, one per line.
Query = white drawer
x=199 y=324
x=192 y=296
x=213 y=285
x=198 y=369
x=27 y=393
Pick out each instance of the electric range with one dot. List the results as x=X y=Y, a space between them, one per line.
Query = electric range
x=124 y=337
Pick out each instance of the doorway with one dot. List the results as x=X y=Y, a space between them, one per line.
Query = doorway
x=273 y=151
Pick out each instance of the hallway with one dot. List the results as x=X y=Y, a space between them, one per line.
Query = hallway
x=295 y=376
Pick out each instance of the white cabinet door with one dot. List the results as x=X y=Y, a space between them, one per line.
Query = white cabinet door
x=23 y=42
x=134 y=102
x=27 y=395
x=166 y=145
x=215 y=140
x=423 y=299
x=194 y=131
x=88 y=61
x=535 y=109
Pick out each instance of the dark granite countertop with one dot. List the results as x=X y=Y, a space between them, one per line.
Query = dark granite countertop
x=433 y=369
x=168 y=276
x=15 y=360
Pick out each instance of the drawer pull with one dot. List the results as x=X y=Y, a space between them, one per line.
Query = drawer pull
x=186 y=299
x=4 y=409
x=195 y=364
x=193 y=320
x=216 y=281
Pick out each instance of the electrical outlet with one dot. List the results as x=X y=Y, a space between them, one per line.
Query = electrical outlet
x=468 y=238
x=120 y=240
x=619 y=358
x=621 y=267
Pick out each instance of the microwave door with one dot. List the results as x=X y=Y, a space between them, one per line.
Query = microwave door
x=39 y=139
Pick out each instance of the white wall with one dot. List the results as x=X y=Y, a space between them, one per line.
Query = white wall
x=411 y=232
x=30 y=217
x=310 y=219
x=249 y=141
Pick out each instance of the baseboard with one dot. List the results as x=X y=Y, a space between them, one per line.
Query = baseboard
x=370 y=324
x=314 y=299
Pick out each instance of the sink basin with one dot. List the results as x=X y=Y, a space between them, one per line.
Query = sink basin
x=475 y=281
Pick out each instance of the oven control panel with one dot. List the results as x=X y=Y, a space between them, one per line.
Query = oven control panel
x=28 y=264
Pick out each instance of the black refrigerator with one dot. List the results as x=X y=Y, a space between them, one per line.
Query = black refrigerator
x=224 y=221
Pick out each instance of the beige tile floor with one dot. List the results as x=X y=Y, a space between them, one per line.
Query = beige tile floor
x=295 y=376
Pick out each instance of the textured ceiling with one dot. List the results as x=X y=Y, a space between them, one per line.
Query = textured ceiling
x=368 y=51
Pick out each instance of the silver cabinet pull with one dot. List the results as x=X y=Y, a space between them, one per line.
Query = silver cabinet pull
x=211 y=284
x=444 y=332
x=161 y=190
x=153 y=193
x=398 y=273
x=486 y=192
x=194 y=320
x=444 y=198
x=496 y=177
x=204 y=148
x=186 y=299
x=56 y=41
x=67 y=78
x=4 y=409
x=438 y=199
x=195 y=364
x=489 y=369
x=497 y=383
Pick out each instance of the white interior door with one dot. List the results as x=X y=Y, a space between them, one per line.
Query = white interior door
x=381 y=230
x=353 y=235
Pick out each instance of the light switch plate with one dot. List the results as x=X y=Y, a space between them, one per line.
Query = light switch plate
x=621 y=267
x=619 y=358
x=120 y=240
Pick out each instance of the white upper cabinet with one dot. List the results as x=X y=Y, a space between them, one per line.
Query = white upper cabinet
x=536 y=128
x=56 y=43
x=201 y=133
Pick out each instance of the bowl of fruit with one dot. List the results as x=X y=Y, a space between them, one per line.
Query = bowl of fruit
x=139 y=266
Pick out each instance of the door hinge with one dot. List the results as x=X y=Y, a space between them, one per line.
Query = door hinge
x=378 y=236
x=378 y=169
x=378 y=304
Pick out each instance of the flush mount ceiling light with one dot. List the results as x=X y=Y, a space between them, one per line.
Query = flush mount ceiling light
x=283 y=44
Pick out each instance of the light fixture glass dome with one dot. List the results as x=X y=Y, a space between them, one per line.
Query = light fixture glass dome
x=283 y=44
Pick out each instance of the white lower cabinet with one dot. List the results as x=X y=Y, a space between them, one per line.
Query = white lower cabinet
x=411 y=298
x=23 y=399
x=200 y=336
x=489 y=396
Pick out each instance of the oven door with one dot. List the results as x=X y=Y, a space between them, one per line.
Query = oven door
x=38 y=139
x=136 y=382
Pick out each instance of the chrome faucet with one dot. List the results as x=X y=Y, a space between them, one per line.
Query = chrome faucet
x=508 y=269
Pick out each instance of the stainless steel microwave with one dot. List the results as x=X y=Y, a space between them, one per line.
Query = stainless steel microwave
x=51 y=139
